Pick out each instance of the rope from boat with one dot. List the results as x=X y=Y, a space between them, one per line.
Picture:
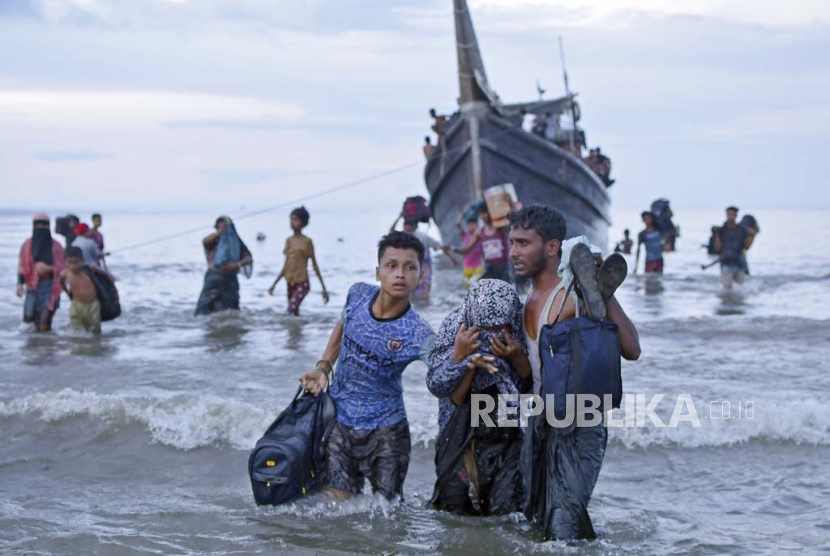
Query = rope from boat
x=319 y=194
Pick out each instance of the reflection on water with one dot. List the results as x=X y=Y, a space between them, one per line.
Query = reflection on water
x=733 y=302
x=226 y=330
x=294 y=327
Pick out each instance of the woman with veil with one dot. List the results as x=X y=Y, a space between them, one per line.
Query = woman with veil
x=226 y=255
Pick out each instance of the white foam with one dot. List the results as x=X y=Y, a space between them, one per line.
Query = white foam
x=801 y=422
x=184 y=422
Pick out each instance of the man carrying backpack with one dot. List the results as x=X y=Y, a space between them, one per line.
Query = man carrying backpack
x=536 y=236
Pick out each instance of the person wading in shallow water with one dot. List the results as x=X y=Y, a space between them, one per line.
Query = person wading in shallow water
x=536 y=235
x=226 y=255
x=480 y=349
x=39 y=265
x=494 y=248
x=377 y=337
x=730 y=243
x=298 y=250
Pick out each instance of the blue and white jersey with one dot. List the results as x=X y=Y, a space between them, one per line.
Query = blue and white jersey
x=367 y=388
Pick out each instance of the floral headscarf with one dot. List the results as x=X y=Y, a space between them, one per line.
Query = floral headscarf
x=488 y=303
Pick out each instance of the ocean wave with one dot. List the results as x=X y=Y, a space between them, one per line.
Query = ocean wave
x=183 y=422
x=799 y=422
x=186 y=422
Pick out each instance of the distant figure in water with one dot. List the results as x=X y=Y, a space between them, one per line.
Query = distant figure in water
x=494 y=248
x=298 y=250
x=653 y=239
x=40 y=263
x=97 y=237
x=730 y=244
x=226 y=255
x=85 y=311
x=473 y=262
x=424 y=286
x=429 y=148
x=625 y=245
x=88 y=246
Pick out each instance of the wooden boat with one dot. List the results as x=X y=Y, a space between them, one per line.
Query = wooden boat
x=485 y=144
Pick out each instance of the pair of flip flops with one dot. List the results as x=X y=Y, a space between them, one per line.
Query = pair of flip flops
x=596 y=286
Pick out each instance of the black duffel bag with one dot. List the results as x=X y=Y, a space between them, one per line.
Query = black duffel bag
x=288 y=461
x=107 y=292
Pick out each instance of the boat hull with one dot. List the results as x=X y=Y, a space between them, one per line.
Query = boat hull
x=541 y=172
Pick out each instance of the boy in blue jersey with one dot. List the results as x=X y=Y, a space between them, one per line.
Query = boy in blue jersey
x=377 y=336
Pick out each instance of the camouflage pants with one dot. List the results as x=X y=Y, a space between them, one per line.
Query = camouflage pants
x=380 y=455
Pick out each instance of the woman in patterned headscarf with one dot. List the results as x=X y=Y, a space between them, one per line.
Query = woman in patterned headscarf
x=480 y=349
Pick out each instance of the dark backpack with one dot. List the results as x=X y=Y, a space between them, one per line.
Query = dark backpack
x=416 y=209
x=580 y=356
x=107 y=294
x=288 y=461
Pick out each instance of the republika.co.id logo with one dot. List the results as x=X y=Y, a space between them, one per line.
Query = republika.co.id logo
x=587 y=410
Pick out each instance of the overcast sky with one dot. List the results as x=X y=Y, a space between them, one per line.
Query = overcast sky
x=135 y=104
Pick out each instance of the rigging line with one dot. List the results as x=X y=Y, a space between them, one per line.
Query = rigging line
x=300 y=200
x=274 y=207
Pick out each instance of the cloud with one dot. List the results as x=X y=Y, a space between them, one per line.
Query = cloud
x=771 y=13
x=119 y=108
x=689 y=99
x=71 y=155
x=20 y=9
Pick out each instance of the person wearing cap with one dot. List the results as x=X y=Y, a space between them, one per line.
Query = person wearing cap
x=41 y=261
x=83 y=240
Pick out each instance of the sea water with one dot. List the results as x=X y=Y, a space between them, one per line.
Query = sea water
x=137 y=442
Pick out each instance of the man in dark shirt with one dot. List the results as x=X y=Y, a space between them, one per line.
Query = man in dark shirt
x=730 y=243
x=653 y=239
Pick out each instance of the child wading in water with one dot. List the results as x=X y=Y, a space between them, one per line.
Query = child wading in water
x=298 y=250
x=473 y=262
x=85 y=311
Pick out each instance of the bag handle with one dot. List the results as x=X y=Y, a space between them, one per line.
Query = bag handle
x=301 y=392
x=562 y=305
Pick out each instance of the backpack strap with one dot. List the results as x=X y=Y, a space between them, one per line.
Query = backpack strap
x=562 y=305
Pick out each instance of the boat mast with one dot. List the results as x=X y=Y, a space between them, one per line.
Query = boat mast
x=474 y=101
x=568 y=93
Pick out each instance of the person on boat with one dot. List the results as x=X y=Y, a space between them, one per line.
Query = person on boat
x=377 y=337
x=480 y=349
x=625 y=245
x=473 y=263
x=410 y=226
x=39 y=265
x=438 y=124
x=730 y=243
x=551 y=126
x=299 y=249
x=653 y=240
x=539 y=126
x=494 y=248
x=429 y=148
x=226 y=255
x=573 y=456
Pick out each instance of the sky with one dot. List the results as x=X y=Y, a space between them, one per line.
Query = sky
x=176 y=104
